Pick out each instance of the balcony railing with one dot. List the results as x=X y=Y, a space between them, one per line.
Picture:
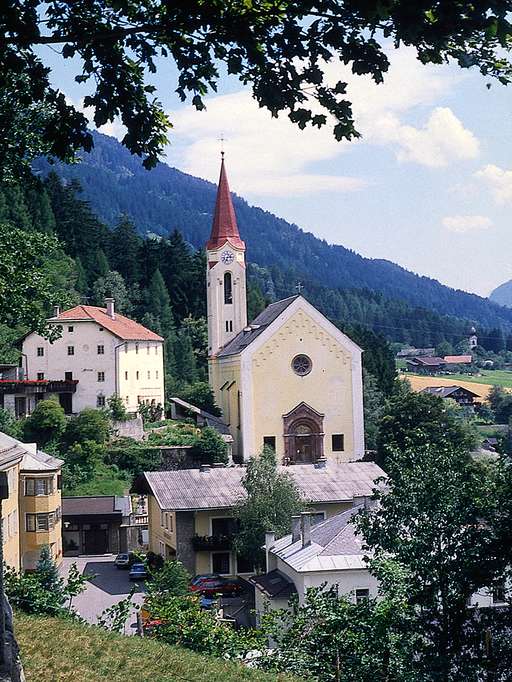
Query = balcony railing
x=29 y=386
x=212 y=542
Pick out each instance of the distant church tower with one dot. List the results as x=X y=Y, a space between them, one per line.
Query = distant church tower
x=225 y=272
x=473 y=339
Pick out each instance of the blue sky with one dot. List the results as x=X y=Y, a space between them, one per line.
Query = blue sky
x=429 y=186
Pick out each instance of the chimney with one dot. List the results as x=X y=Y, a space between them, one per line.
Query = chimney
x=56 y=310
x=305 y=520
x=295 y=528
x=270 y=538
x=321 y=463
x=204 y=468
x=109 y=305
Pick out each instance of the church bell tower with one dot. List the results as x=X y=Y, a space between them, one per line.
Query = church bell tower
x=225 y=272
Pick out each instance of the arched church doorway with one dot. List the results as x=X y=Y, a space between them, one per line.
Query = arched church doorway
x=303 y=435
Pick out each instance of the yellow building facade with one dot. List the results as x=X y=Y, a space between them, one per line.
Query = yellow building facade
x=31 y=515
x=290 y=379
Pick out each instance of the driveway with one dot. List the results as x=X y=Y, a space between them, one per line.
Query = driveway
x=109 y=586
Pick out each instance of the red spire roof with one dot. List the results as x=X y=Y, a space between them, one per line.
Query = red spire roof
x=224 y=228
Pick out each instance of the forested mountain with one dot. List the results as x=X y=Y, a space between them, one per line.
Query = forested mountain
x=165 y=199
x=503 y=294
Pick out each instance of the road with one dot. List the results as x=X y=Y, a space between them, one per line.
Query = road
x=109 y=586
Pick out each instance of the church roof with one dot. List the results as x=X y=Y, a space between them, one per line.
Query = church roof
x=256 y=327
x=224 y=228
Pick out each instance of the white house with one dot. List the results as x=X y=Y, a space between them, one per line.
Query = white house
x=99 y=353
x=327 y=553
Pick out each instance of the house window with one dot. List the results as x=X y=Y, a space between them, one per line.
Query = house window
x=39 y=522
x=148 y=349
x=101 y=350
x=100 y=329
x=157 y=374
x=362 y=595
x=171 y=523
x=338 y=442
x=38 y=486
x=71 y=329
x=161 y=548
x=156 y=350
x=137 y=375
x=149 y=374
x=40 y=351
x=71 y=350
x=136 y=347
x=499 y=594
x=68 y=376
x=100 y=401
x=221 y=563
x=228 y=288
x=302 y=365
x=127 y=399
x=269 y=442
x=162 y=519
x=126 y=376
x=101 y=376
x=40 y=376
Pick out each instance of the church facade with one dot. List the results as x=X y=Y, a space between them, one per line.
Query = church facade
x=290 y=379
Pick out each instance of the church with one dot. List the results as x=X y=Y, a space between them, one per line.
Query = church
x=289 y=379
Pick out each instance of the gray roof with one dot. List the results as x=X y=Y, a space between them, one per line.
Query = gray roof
x=12 y=450
x=256 y=327
x=99 y=504
x=210 y=419
x=335 y=545
x=221 y=488
x=274 y=584
x=446 y=391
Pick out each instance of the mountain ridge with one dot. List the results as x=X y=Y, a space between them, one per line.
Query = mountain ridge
x=502 y=294
x=165 y=198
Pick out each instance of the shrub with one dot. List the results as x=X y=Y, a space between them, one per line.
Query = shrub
x=46 y=423
x=210 y=448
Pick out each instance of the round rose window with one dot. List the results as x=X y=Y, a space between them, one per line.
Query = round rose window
x=301 y=365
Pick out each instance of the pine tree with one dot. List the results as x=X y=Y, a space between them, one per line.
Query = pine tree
x=159 y=304
x=47 y=571
x=124 y=250
x=186 y=368
x=112 y=286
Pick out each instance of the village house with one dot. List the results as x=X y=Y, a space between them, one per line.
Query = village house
x=462 y=396
x=190 y=511
x=324 y=554
x=99 y=353
x=31 y=515
x=290 y=379
x=426 y=365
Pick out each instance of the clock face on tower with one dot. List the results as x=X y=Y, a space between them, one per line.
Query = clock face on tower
x=227 y=257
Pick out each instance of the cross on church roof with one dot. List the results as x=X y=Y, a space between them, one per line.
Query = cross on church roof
x=299 y=286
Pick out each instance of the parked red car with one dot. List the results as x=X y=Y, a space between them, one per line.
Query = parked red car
x=211 y=584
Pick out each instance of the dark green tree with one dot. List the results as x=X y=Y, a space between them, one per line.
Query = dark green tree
x=210 y=448
x=125 y=250
x=48 y=572
x=271 y=499
x=46 y=423
x=112 y=286
x=186 y=366
x=374 y=408
x=201 y=395
x=88 y=425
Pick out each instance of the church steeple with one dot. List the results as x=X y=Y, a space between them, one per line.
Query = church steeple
x=224 y=227
x=225 y=273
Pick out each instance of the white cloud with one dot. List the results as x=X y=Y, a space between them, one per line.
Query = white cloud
x=466 y=223
x=499 y=182
x=272 y=156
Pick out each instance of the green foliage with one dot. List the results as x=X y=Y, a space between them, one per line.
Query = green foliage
x=115 y=617
x=445 y=520
x=117 y=408
x=374 y=408
x=500 y=402
x=169 y=580
x=112 y=285
x=105 y=480
x=47 y=571
x=414 y=420
x=186 y=624
x=9 y=425
x=27 y=284
x=200 y=395
x=43 y=591
x=151 y=413
x=175 y=433
x=271 y=499
x=279 y=54
x=89 y=424
x=46 y=423
x=209 y=448
x=331 y=639
x=131 y=456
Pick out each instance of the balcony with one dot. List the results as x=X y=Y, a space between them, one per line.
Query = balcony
x=30 y=386
x=209 y=543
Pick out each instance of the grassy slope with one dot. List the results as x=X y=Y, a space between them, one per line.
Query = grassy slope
x=60 y=651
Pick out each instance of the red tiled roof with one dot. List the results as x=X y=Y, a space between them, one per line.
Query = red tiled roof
x=224 y=228
x=458 y=359
x=121 y=326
